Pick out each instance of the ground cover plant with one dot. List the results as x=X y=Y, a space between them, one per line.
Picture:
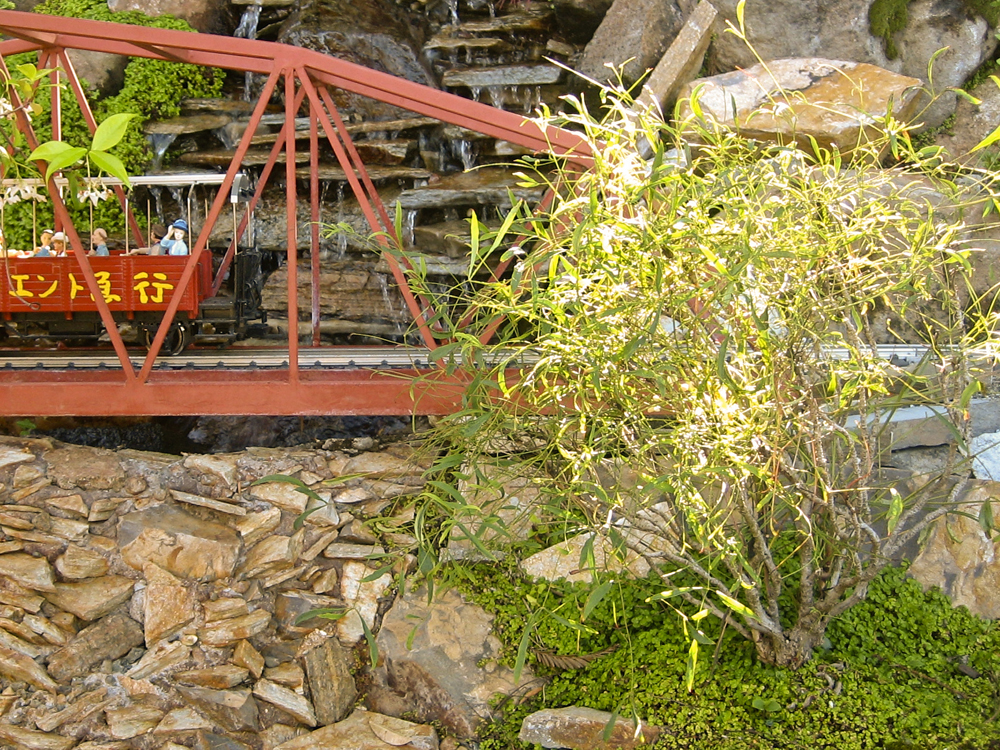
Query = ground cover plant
x=903 y=669
x=701 y=384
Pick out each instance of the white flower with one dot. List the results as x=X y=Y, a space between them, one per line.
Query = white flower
x=29 y=191
x=94 y=191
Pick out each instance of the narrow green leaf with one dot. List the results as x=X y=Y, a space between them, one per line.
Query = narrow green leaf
x=740 y=8
x=375 y=575
x=110 y=132
x=284 y=478
x=301 y=518
x=671 y=593
x=595 y=598
x=737 y=607
x=986 y=517
x=326 y=613
x=895 y=509
x=691 y=665
x=970 y=390
x=372 y=645
x=522 y=647
x=609 y=727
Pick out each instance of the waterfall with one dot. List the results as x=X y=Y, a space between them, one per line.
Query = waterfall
x=409 y=228
x=248 y=30
x=158 y=144
x=341 y=236
x=157 y=192
x=465 y=152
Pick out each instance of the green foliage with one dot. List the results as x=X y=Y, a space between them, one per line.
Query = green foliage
x=674 y=320
x=152 y=89
x=888 y=676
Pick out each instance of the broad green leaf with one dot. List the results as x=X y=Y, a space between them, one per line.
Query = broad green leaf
x=766 y=704
x=110 y=132
x=63 y=160
x=595 y=598
x=53 y=149
x=111 y=164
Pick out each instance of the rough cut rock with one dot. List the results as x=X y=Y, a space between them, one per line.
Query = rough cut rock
x=961 y=559
x=178 y=542
x=582 y=729
x=830 y=100
x=632 y=37
x=365 y=730
x=441 y=662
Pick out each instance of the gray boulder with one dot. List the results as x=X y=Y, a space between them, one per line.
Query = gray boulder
x=634 y=34
x=839 y=30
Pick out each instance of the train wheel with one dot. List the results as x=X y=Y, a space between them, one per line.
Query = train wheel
x=178 y=337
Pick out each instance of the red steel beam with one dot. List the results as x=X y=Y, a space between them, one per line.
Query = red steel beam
x=263 y=392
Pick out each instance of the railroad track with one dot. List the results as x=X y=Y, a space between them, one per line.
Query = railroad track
x=245 y=358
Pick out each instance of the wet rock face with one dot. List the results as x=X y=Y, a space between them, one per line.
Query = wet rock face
x=365 y=32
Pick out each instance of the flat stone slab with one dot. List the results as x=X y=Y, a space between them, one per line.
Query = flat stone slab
x=582 y=729
x=482 y=187
x=503 y=75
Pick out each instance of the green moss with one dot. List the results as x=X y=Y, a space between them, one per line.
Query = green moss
x=885 y=18
x=889 y=676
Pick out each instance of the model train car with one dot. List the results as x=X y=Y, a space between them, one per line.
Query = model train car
x=46 y=298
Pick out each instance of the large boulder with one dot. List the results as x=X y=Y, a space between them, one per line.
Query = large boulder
x=936 y=25
x=840 y=29
x=973 y=122
x=441 y=662
x=203 y=15
x=787 y=100
x=633 y=36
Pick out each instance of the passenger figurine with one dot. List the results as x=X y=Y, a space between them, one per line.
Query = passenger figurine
x=155 y=248
x=44 y=250
x=58 y=247
x=173 y=241
x=99 y=243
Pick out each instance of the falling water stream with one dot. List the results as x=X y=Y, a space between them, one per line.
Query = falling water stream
x=248 y=30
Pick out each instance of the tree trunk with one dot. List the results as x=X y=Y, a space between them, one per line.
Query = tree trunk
x=789 y=649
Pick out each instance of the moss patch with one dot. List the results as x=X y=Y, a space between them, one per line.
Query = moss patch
x=897 y=671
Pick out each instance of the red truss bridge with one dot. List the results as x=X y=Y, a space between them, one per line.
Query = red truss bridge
x=160 y=292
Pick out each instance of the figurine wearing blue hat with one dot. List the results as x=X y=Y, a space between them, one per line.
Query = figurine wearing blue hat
x=173 y=241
